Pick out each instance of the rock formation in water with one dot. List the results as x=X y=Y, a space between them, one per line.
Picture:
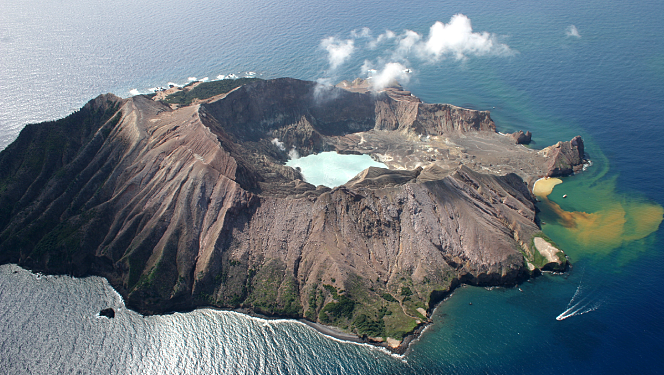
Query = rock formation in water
x=564 y=158
x=188 y=207
x=522 y=138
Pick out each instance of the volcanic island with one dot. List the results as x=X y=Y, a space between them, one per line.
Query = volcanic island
x=182 y=199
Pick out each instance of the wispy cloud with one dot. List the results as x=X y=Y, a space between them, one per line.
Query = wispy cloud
x=324 y=90
x=387 y=35
x=572 y=31
x=409 y=41
x=364 y=32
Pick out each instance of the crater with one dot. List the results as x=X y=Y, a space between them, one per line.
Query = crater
x=332 y=169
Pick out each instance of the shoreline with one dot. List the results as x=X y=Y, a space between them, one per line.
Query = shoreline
x=543 y=187
x=330 y=331
x=337 y=334
x=325 y=330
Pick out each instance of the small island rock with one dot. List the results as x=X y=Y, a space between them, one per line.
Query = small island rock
x=522 y=138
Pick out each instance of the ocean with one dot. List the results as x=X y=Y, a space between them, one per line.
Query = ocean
x=593 y=68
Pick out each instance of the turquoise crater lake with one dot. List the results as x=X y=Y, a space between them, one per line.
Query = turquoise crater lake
x=331 y=169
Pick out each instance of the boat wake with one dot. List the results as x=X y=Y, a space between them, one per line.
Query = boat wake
x=580 y=304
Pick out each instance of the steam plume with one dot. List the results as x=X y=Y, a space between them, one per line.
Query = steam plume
x=455 y=39
x=572 y=31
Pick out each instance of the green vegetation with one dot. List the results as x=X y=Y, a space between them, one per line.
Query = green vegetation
x=136 y=260
x=271 y=291
x=206 y=90
x=537 y=259
x=160 y=281
x=343 y=308
x=289 y=302
x=399 y=325
x=331 y=289
x=316 y=298
x=106 y=130
x=375 y=313
x=206 y=298
x=334 y=311
x=368 y=326
x=52 y=241
x=265 y=286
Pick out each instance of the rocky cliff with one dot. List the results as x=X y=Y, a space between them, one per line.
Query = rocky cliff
x=564 y=158
x=195 y=207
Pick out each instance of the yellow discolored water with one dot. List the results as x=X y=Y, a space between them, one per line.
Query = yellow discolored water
x=544 y=186
x=607 y=220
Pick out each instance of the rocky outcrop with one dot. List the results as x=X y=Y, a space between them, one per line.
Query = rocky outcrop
x=522 y=138
x=564 y=158
x=193 y=207
x=553 y=258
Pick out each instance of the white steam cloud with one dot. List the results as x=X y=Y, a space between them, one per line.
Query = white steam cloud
x=572 y=31
x=455 y=39
x=325 y=90
x=391 y=74
x=293 y=154
x=364 y=32
x=458 y=39
x=387 y=35
x=279 y=144
x=408 y=42
x=338 y=51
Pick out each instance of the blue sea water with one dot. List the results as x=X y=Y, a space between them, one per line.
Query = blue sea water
x=606 y=84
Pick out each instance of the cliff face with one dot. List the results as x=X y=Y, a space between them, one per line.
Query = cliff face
x=193 y=207
x=564 y=158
